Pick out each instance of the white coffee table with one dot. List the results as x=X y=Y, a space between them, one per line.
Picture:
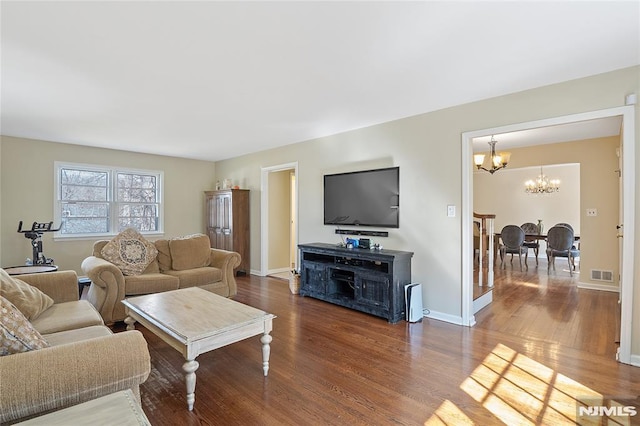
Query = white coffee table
x=194 y=321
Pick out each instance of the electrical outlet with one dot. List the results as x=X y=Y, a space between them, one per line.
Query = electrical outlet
x=592 y=212
x=451 y=210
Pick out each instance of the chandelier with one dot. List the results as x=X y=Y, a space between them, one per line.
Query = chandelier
x=498 y=161
x=542 y=185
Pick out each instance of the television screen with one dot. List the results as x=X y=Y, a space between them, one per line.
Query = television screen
x=365 y=198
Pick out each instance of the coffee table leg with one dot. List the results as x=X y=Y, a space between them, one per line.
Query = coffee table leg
x=130 y=323
x=266 y=351
x=190 y=368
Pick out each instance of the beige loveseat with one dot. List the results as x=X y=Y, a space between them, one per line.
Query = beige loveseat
x=181 y=262
x=84 y=361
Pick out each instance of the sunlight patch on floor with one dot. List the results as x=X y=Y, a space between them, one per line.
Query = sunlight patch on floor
x=449 y=414
x=518 y=390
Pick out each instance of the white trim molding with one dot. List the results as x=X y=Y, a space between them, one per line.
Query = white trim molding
x=628 y=190
x=453 y=319
x=264 y=210
x=600 y=287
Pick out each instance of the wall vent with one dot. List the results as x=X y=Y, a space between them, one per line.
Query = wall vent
x=601 y=275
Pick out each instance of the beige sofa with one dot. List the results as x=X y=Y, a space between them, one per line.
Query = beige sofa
x=180 y=263
x=85 y=359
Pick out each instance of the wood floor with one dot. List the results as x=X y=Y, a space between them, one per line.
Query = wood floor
x=532 y=354
x=549 y=306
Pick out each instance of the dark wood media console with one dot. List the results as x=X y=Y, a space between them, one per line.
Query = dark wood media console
x=370 y=281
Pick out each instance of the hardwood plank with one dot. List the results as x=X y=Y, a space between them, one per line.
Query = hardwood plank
x=334 y=366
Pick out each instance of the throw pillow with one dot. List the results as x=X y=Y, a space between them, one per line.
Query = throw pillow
x=16 y=332
x=130 y=252
x=192 y=251
x=28 y=299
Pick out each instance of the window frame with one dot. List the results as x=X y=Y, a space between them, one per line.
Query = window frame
x=112 y=202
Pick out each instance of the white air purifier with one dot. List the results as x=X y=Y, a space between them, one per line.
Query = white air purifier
x=413 y=302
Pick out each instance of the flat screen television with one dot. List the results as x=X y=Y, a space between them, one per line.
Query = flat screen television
x=363 y=198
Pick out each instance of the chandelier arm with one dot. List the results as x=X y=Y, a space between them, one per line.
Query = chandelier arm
x=492 y=170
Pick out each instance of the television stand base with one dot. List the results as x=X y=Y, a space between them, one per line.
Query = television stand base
x=370 y=281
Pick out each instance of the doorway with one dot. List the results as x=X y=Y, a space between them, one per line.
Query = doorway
x=279 y=224
x=628 y=212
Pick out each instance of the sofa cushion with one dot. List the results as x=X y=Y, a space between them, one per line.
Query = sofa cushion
x=150 y=283
x=191 y=251
x=77 y=335
x=197 y=276
x=130 y=252
x=16 y=332
x=98 y=246
x=164 y=255
x=28 y=299
x=67 y=316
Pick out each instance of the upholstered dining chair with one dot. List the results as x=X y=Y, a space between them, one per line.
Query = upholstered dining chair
x=560 y=244
x=512 y=237
x=574 y=233
x=529 y=242
x=565 y=224
x=573 y=247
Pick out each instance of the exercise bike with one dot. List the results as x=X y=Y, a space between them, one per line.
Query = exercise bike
x=35 y=235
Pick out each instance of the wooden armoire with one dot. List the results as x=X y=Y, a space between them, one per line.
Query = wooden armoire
x=227 y=216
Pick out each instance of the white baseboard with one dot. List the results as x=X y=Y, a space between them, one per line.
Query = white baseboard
x=278 y=270
x=453 y=319
x=256 y=272
x=482 y=301
x=602 y=287
x=635 y=360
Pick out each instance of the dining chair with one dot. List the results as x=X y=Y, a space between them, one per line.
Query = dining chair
x=512 y=237
x=530 y=228
x=570 y=227
x=560 y=244
x=565 y=224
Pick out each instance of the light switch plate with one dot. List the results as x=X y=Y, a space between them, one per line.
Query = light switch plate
x=451 y=210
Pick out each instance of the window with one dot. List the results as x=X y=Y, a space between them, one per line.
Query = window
x=94 y=200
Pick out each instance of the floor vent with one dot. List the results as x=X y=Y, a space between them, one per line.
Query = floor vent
x=600 y=275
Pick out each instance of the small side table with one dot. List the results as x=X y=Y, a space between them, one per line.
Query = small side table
x=82 y=283
x=30 y=269
x=118 y=408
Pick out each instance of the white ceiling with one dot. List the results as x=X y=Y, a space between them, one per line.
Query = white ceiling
x=214 y=80
x=580 y=130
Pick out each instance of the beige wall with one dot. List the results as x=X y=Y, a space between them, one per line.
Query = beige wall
x=503 y=195
x=279 y=220
x=427 y=148
x=27 y=194
x=597 y=188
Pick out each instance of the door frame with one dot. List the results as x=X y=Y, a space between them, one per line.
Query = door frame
x=264 y=211
x=628 y=183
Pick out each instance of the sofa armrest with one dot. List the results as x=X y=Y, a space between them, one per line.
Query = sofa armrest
x=226 y=261
x=60 y=376
x=107 y=286
x=61 y=286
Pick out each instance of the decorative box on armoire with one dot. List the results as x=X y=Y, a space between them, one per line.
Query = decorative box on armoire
x=227 y=216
